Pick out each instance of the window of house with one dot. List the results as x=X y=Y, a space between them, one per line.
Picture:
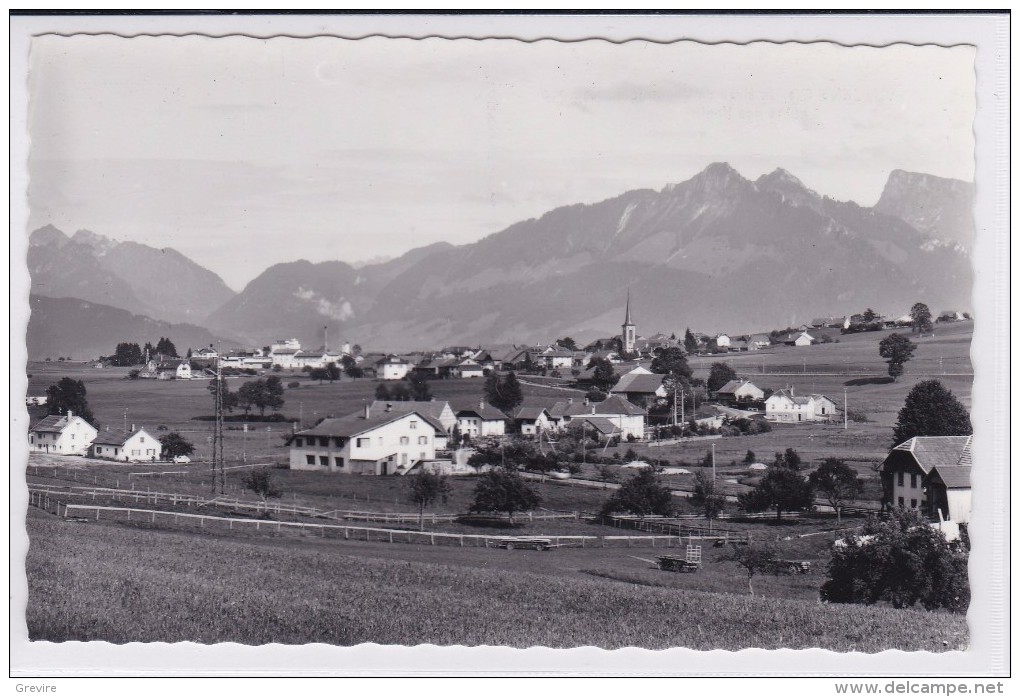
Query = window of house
x=324 y=460
x=364 y=442
x=913 y=503
x=141 y=439
x=414 y=424
x=899 y=479
x=404 y=440
x=309 y=459
x=421 y=456
x=403 y=458
x=899 y=501
x=339 y=461
x=423 y=440
x=299 y=442
x=913 y=480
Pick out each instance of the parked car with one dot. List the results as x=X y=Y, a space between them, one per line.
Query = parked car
x=182 y=460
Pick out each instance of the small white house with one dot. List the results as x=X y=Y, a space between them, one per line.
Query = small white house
x=481 y=421
x=136 y=445
x=62 y=435
x=722 y=340
x=530 y=421
x=392 y=368
x=804 y=339
x=739 y=391
x=379 y=443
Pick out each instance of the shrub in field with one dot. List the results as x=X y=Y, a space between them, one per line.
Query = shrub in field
x=858 y=417
x=504 y=490
x=174 y=444
x=426 y=488
x=838 y=482
x=781 y=488
x=706 y=497
x=606 y=472
x=902 y=560
x=260 y=482
x=756 y=559
x=293 y=385
x=643 y=494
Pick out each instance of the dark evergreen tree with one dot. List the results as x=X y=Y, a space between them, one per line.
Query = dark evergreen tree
x=174 y=444
x=720 y=374
x=504 y=392
x=781 y=488
x=643 y=494
x=69 y=395
x=931 y=410
x=690 y=342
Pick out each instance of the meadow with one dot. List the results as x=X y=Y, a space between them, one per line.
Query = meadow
x=121 y=584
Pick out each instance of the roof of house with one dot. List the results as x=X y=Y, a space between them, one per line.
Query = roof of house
x=528 y=413
x=788 y=394
x=393 y=360
x=356 y=424
x=433 y=409
x=936 y=451
x=54 y=424
x=173 y=364
x=601 y=424
x=954 y=476
x=484 y=411
x=755 y=338
x=738 y=343
x=284 y=351
x=734 y=385
x=639 y=382
x=614 y=405
x=115 y=437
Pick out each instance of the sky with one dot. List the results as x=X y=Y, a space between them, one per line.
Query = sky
x=242 y=153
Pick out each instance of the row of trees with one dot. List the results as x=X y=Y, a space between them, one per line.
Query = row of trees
x=414 y=389
x=258 y=394
x=128 y=354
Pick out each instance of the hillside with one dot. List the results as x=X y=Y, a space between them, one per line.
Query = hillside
x=941 y=208
x=160 y=283
x=81 y=330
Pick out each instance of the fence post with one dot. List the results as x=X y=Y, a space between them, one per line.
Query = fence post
x=154 y=516
x=97 y=514
x=432 y=539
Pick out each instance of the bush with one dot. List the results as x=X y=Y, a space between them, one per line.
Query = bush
x=294 y=385
x=903 y=561
x=555 y=374
x=858 y=417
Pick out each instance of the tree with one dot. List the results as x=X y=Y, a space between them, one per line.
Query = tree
x=166 y=347
x=837 y=482
x=595 y=395
x=781 y=488
x=869 y=316
x=382 y=393
x=931 y=410
x=568 y=343
x=719 y=375
x=642 y=495
x=127 y=354
x=69 y=395
x=420 y=390
x=319 y=374
x=504 y=490
x=707 y=498
x=274 y=393
x=503 y=392
x=603 y=376
x=260 y=482
x=749 y=458
x=756 y=559
x=897 y=350
x=351 y=368
x=426 y=489
x=332 y=372
x=134 y=373
x=229 y=398
x=920 y=318
x=690 y=342
x=901 y=560
x=174 y=444
x=790 y=460
x=672 y=361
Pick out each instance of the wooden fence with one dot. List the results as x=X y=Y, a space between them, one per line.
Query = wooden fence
x=84 y=512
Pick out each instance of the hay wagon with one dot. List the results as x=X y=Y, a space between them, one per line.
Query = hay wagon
x=796 y=566
x=688 y=563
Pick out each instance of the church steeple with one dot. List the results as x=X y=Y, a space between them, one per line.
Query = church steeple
x=629 y=336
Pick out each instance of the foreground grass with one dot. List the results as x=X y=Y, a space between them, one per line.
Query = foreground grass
x=93 y=582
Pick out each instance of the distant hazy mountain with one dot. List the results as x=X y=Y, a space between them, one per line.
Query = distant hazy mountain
x=941 y=208
x=160 y=283
x=82 y=330
x=716 y=252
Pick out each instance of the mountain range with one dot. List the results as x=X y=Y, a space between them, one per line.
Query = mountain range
x=717 y=252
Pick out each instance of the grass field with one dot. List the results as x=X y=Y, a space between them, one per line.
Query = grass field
x=118 y=584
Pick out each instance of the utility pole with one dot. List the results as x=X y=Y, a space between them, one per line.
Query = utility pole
x=846 y=415
x=683 y=417
x=713 y=463
x=218 y=432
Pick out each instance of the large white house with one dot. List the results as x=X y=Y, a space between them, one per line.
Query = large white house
x=641 y=386
x=784 y=405
x=481 y=421
x=373 y=442
x=628 y=418
x=136 y=445
x=436 y=410
x=62 y=435
x=393 y=368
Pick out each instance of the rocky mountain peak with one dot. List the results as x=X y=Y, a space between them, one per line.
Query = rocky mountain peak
x=99 y=244
x=48 y=235
x=938 y=207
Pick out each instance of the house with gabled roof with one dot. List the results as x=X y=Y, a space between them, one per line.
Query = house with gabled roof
x=392 y=368
x=739 y=391
x=438 y=411
x=931 y=473
x=481 y=421
x=133 y=445
x=756 y=342
x=785 y=406
x=378 y=442
x=62 y=435
x=640 y=386
x=530 y=421
x=628 y=417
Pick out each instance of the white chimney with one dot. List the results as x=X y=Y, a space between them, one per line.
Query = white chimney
x=70 y=415
x=368 y=411
x=132 y=428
